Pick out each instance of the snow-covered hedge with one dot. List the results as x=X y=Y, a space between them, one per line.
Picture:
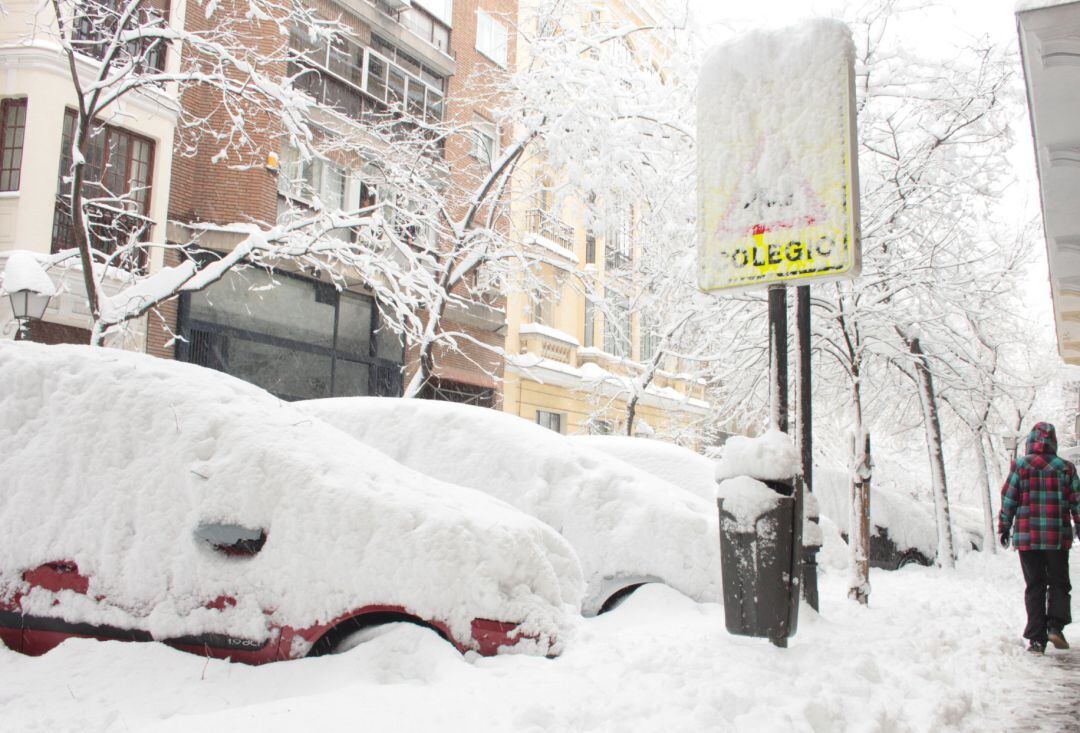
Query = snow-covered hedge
x=626 y=525
x=112 y=460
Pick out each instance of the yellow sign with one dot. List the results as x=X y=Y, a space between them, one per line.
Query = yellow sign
x=777 y=163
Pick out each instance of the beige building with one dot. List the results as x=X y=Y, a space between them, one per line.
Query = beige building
x=37 y=98
x=570 y=367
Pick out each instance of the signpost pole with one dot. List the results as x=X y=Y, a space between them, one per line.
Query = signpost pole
x=778 y=357
x=806 y=440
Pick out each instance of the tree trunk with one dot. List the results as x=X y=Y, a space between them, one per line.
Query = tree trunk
x=859 y=517
x=989 y=544
x=946 y=554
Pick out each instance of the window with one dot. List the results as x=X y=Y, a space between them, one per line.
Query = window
x=589 y=339
x=296 y=338
x=617 y=325
x=618 y=247
x=13 y=127
x=590 y=249
x=305 y=180
x=119 y=168
x=650 y=336
x=95 y=28
x=549 y=420
x=485 y=142
x=491 y=38
x=360 y=82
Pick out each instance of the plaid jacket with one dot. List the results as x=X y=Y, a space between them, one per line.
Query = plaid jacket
x=1042 y=493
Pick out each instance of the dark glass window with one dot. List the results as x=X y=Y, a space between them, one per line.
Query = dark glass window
x=296 y=338
x=13 y=127
x=96 y=25
x=549 y=420
x=116 y=188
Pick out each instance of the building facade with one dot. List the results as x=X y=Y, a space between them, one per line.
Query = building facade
x=572 y=363
x=132 y=151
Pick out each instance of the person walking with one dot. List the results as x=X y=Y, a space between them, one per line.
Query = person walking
x=1042 y=494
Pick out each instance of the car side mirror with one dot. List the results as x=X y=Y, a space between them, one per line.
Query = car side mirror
x=231 y=540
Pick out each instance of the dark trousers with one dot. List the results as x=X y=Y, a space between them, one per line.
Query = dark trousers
x=1046 y=573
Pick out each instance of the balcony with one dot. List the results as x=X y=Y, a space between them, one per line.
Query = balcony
x=615 y=259
x=551 y=228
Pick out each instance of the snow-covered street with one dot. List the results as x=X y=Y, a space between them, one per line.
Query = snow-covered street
x=937 y=650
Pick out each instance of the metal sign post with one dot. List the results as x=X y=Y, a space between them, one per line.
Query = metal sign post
x=778 y=202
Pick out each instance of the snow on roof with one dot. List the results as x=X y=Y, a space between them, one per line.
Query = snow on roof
x=673 y=463
x=112 y=459
x=622 y=522
x=23 y=271
x=770 y=456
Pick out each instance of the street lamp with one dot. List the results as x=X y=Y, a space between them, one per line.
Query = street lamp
x=1010 y=441
x=29 y=289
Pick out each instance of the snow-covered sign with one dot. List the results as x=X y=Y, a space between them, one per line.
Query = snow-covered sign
x=777 y=167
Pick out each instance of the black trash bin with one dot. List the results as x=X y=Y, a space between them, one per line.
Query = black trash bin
x=761 y=568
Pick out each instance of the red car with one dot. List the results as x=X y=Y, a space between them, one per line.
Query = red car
x=142 y=499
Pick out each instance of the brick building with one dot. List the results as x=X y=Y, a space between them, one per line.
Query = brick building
x=304 y=337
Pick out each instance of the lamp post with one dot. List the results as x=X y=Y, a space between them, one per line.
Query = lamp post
x=28 y=287
x=28 y=305
x=1010 y=441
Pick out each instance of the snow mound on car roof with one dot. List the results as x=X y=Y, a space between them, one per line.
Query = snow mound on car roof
x=623 y=522
x=112 y=460
x=673 y=463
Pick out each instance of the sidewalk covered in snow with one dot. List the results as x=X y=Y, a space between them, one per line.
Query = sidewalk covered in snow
x=936 y=651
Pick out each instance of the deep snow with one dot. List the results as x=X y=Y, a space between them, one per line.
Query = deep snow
x=935 y=651
x=625 y=524
x=112 y=460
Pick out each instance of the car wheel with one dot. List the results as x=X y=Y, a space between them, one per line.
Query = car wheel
x=616 y=598
x=911 y=558
x=362 y=629
x=364 y=635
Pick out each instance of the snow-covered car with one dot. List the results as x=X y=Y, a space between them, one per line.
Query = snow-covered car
x=627 y=526
x=673 y=463
x=902 y=530
x=144 y=499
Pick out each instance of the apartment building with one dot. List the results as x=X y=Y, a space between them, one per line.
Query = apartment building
x=304 y=337
x=291 y=331
x=131 y=153
x=570 y=359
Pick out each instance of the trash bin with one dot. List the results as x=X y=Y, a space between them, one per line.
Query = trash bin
x=760 y=548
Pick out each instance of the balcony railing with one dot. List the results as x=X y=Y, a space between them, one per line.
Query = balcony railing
x=538 y=221
x=615 y=259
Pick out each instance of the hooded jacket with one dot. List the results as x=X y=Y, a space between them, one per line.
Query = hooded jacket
x=1042 y=495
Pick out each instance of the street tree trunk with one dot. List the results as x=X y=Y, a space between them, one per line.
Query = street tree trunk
x=859 y=518
x=946 y=554
x=989 y=544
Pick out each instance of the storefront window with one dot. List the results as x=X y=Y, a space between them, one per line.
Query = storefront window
x=296 y=338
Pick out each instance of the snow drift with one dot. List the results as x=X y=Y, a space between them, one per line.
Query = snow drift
x=626 y=526
x=112 y=460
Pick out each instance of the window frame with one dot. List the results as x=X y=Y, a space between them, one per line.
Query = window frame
x=13 y=173
x=488 y=41
x=383 y=371
x=548 y=418
x=107 y=131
